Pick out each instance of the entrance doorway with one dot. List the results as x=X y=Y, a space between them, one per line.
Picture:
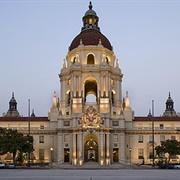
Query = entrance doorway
x=66 y=155
x=115 y=154
x=91 y=148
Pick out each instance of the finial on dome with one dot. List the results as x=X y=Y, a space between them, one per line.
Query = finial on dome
x=90 y=5
x=169 y=94
x=13 y=95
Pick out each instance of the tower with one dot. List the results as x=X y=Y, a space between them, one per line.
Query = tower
x=169 y=107
x=12 y=112
x=90 y=114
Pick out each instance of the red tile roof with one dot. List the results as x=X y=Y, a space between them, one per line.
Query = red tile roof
x=3 y=119
x=157 y=118
x=90 y=37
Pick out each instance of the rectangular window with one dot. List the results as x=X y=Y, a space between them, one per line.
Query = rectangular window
x=139 y=126
x=41 y=154
x=172 y=126
x=173 y=137
x=41 y=139
x=41 y=126
x=162 y=138
x=161 y=126
x=140 y=153
x=140 y=139
x=150 y=139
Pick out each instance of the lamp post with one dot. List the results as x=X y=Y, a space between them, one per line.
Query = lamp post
x=51 y=149
x=29 y=131
x=130 y=149
x=152 y=133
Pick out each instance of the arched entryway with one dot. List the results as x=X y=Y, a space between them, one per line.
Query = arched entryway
x=91 y=148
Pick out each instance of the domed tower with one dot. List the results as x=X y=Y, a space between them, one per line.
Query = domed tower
x=90 y=109
x=12 y=107
x=169 y=107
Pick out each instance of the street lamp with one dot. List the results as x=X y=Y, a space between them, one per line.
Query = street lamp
x=130 y=149
x=51 y=149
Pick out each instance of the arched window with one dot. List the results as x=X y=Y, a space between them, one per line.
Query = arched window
x=90 y=59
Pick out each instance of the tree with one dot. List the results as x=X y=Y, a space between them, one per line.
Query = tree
x=172 y=147
x=12 y=141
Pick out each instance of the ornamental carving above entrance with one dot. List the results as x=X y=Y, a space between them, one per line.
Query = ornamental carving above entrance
x=91 y=119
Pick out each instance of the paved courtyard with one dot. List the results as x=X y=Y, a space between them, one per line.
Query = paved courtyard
x=57 y=174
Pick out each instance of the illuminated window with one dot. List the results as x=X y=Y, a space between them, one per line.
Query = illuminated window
x=90 y=59
x=41 y=154
x=90 y=20
x=69 y=81
x=140 y=153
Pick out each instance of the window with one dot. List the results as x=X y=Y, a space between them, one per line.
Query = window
x=161 y=126
x=173 y=137
x=41 y=126
x=140 y=153
x=41 y=139
x=112 y=81
x=41 y=154
x=172 y=125
x=90 y=59
x=150 y=139
x=140 y=139
x=139 y=126
x=162 y=138
x=69 y=81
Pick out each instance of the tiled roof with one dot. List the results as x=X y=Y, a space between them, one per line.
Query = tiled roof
x=160 y=118
x=90 y=37
x=23 y=119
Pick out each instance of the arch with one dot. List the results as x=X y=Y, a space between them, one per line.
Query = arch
x=68 y=96
x=113 y=96
x=90 y=87
x=73 y=59
x=91 y=148
x=90 y=59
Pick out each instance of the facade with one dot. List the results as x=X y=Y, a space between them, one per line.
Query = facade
x=91 y=121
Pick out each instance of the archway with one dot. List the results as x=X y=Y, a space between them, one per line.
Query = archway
x=91 y=88
x=91 y=148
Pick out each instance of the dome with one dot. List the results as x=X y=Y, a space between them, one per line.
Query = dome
x=90 y=32
x=90 y=11
x=90 y=37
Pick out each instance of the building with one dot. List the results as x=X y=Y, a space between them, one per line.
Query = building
x=91 y=121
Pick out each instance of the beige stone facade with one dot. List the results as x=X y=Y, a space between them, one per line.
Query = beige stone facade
x=91 y=121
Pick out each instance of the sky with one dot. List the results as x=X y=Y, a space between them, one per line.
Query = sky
x=35 y=36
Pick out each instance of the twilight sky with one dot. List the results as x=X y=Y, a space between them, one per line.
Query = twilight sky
x=34 y=40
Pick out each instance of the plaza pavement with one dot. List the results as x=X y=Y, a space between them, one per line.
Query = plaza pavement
x=83 y=174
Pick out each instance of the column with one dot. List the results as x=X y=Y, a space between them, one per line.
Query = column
x=74 y=152
x=60 y=149
x=101 y=158
x=107 y=150
x=79 y=145
x=122 y=147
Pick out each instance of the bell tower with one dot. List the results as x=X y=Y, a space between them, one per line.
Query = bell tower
x=90 y=111
x=90 y=68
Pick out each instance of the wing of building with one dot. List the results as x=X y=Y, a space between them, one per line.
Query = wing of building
x=91 y=121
